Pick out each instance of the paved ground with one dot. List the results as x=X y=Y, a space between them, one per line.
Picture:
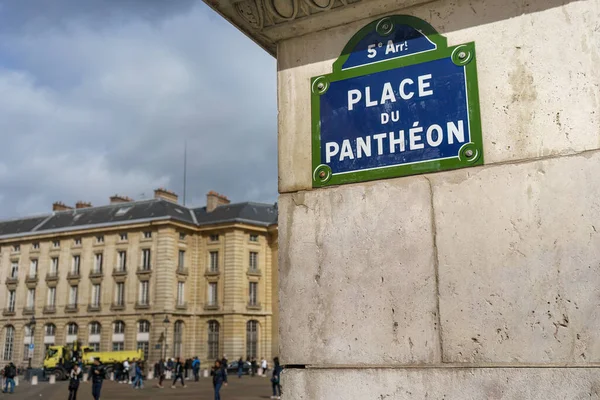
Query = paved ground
x=238 y=389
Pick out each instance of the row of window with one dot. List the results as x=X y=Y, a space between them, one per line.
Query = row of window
x=119 y=296
x=123 y=237
x=77 y=241
x=76 y=264
x=95 y=328
x=122 y=263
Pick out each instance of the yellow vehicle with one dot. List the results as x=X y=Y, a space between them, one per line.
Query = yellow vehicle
x=60 y=359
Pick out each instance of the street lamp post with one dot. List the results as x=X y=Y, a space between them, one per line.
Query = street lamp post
x=166 y=323
x=32 y=323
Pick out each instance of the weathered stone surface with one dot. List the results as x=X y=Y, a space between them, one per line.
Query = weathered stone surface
x=519 y=256
x=529 y=109
x=357 y=281
x=447 y=384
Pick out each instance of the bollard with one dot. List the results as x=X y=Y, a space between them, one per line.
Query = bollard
x=85 y=377
x=112 y=376
x=150 y=375
x=52 y=380
x=34 y=380
x=260 y=372
x=205 y=373
x=168 y=374
x=16 y=381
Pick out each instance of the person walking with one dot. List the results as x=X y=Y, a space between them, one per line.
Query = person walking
x=275 y=379
x=125 y=373
x=139 y=375
x=74 y=379
x=219 y=374
x=10 y=371
x=240 y=367
x=196 y=368
x=161 y=372
x=178 y=368
x=98 y=375
x=253 y=366
x=263 y=365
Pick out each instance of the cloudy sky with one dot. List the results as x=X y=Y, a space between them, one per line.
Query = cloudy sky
x=98 y=97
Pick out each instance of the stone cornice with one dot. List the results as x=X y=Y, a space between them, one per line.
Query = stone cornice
x=269 y=21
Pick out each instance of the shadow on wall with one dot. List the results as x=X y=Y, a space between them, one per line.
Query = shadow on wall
x=445 y=16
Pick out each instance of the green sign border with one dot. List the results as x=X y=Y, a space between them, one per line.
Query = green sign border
x=471 y=154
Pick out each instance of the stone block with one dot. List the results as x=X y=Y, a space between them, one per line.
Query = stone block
x=443 y=383
x=529 y=109
x=357 y=280
x=519 y=261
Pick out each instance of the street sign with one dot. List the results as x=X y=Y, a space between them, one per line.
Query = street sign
x=31 y=346
x=399 y=102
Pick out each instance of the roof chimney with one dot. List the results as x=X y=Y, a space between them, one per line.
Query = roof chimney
x=165 y=194
x=60 y=206
x=214 y=200
x=120 y=199
x=82 y=204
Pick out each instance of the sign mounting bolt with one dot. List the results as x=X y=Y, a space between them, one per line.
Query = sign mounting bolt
x=462 y=55
x=469 y=153
x=321 y=86
x=322 y=174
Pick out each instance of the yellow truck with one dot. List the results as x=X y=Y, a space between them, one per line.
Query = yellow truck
x=60 y=359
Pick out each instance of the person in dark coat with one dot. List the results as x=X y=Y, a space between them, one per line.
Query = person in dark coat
x=275 y=380
x=98 y=374
x=188 y=366
x=74 y=379
x=219 y=373
x=161 y=372
x=240 y=367
x=253 y=365
x=178 y=371
x=196 y=368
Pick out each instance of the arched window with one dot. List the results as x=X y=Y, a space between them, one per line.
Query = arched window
x=213 y=340
x=27 y=339
x=49 y=334
x=49 y=330
x=143 y=337
x=118 y=338
x=72 y=331
x=143 y=326
x=252 y=338
x=95 y=328
x=94 y=338
x=119 y=327
x=9 y=341
x=178 y=339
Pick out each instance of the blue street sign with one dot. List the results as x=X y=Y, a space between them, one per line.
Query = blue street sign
x=31 y=346
x=399 y=102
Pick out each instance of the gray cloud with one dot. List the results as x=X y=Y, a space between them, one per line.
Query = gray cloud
x=86 y=112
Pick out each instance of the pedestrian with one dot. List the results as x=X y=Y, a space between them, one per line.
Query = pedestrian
x=240 y=367
x=161 y=372
x=253 y=366
x=188 y=366
x=10 y=371
x=98 y=375
x=74 y=379
x=139 y=375
x=125 y=374
x=275 y=380
x=132 y=369
x=178 y=367
x=196 y=368
x=224 y=361
x=264 y=365
x=219 y=374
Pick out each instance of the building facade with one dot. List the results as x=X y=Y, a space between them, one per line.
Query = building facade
x=151 y=275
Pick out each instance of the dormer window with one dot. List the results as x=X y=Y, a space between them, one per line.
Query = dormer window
x=147 y=235
x=77 y=242
x=122 y=211
x=35 y=246
x=123 y=237
x=99 y=239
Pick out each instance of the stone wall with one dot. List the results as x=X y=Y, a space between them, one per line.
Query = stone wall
x=470 y=284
